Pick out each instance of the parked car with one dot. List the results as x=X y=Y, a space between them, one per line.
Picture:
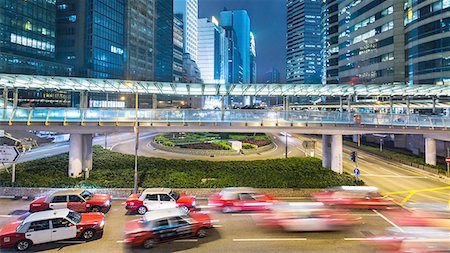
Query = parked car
x=366 y=197
x=159 y=198
x=164 y=226
x=50 y=226
x=305 y=216
x=235 y=199
x=78 y=200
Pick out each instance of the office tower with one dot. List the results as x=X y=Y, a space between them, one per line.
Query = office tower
x=303 y=56
x=91 y=37
x=252 y=58
x=189 y=10
x=272 y=76
x=330 y=43
x=191 y=70
x=28 y=38
x=427 y=40
x=178 y=48
x=237 y=26
x=163 y=49
x=139 y=39
x=211 y=42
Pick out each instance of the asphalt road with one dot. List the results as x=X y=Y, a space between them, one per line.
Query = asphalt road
x=392 y=177
x=233 y=233
x=146 y=149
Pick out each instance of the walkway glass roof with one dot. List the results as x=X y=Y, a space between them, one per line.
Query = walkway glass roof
x=124 y=86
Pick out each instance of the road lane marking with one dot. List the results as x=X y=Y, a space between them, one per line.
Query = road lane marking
x=390 y=176
x=187 y=240
x=387 y=220
x=268 y=239
x=217 y=226
x=7 y=216
x=120 y=241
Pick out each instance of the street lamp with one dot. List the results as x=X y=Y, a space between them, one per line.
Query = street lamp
x=136 y=131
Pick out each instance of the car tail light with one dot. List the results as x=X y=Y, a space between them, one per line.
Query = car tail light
x=36 y=204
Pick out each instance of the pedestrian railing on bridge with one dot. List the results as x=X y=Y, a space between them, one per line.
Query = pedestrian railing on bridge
x=49 y=116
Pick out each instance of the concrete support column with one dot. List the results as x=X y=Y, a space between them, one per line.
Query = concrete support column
x=80 y=154
x=391 y=105
x=434 y=105
x=5 y=97
x=336 y=153
x=83 y=99
x=355 y=138
x=341 y=106
x=16 y=97
x=222 y=107
x=349 y=103
x=154 y=101
x=326 y=151
x=408 y=105
x=430 y=151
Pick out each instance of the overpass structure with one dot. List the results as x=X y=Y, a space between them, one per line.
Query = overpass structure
x=83 y=123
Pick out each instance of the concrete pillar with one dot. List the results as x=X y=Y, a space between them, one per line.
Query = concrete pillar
x=434 y=105
x=87 y=151
x=341 y=106
x=355 y=138
x=80 y=154
x=336 y=153
x=430 y=151
x=222 y=107
x=326 y=151
x=75 y=155
x=407 y=105
x=349 y=103
x=5 y=97
x=16 y=97
x=154 y=101
x=391 y=105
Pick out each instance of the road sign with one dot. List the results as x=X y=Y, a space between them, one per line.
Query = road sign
x=9 y=154
x=447 y=159
x=356 y=171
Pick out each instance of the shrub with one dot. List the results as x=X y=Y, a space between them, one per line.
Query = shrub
x=161 y=138
x=168 y=143
x=258 y=143
x=248 y=146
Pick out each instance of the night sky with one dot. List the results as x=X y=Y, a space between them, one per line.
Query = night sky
x=268 y=23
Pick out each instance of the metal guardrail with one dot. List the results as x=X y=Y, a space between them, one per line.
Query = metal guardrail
x=66 y=116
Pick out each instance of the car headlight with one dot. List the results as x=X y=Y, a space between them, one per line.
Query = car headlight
x=131 y=203
x=107 y=203
x=102 y=224
x=193 y=203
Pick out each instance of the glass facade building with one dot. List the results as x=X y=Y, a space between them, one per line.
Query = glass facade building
x=164 y=41
x=178 y=48
x=304 y=43
x=330 y=43
x=28 y=38
x=189 y=11
x=139 y=26
x=210 y=60
x=427 y=41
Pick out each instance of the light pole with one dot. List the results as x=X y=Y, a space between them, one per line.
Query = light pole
x=136 y=131
x=286 y=151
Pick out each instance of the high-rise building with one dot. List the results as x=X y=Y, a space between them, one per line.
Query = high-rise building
x=139 y=37
x=189 y=10
x=330 y=42
x=178 y=48
x=28 y=38
x=191 y=70
x=211 y=42
x=427 y=42
x=91 y=37
x=371 y=42
x=163 y=49
x=303 y=56
x=272 y=76
x=252 y=58
x=237 y=26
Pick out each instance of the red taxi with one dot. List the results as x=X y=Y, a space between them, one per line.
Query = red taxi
x=237 y=199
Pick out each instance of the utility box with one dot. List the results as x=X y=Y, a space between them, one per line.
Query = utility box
x=235 y=145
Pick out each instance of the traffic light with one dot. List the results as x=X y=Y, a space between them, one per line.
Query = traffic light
x=353 y=156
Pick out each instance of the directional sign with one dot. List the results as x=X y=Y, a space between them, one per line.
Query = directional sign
x=9 y=154
x=447 y=159
x=356 y=171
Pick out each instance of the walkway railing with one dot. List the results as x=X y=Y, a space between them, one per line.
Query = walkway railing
x=265 y=117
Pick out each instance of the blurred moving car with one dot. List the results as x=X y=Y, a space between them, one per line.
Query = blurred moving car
x=235 y=199
x=78 y=200
x=412 y=239
x=50 y=226
x=305 y=216
x=366 y=197
x=164 y=226
x=422 y=215
x=159 y=198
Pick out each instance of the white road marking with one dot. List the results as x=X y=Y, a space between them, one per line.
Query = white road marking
x=356 y=239
x=390 y=176
x=6 y=216
x=268 y=239
x=187 y=240
x=204 y=207
x=217 y=226
x=387 y=220
x=120 y=241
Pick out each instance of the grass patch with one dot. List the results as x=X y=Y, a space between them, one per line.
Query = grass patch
x=111 y=169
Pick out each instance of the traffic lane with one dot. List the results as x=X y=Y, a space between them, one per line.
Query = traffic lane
x=234 y=233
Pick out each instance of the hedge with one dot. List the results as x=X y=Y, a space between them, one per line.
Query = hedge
x=111 y=169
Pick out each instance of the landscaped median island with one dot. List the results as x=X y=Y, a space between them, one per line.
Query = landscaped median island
x=111 y=169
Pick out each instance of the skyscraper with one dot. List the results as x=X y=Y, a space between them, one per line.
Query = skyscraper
x=139 y=37
x=211 y=41
x=178 y=48
x=303 y=55
x=252 y=58
x=28 y=38
x=189 y=10
x=163 y=50
x=237 y=24
x=427 y=40
x=330 y=42
x=371 y=42
x=272 y=76
x=91 y=37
